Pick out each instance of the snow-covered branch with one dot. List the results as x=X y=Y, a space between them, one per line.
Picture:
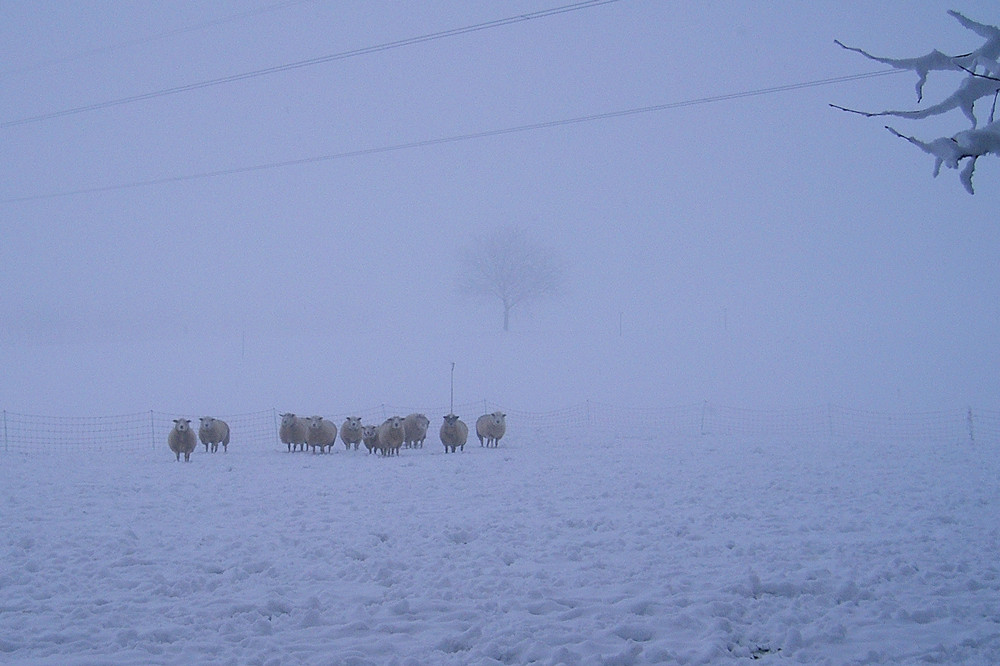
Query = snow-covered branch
x=965 y=145
x=950 y=151
x=924 y=65
x=972 y=88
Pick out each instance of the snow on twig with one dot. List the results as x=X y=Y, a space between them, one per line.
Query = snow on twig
x=967 y=145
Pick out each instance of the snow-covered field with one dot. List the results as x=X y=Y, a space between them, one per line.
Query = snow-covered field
x=697 y=550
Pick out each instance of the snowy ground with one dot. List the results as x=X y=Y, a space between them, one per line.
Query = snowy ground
x=677 y=551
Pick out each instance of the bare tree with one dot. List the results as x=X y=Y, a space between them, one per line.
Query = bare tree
x=507 y=265
x=981 y=79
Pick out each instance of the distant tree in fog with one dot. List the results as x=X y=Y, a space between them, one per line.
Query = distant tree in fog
x=509 y=266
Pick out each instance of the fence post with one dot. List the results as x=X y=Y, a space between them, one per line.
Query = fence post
x=5 y=430
x=274 y=417
x=152 y=430
x=704 y=411
x=972 y=431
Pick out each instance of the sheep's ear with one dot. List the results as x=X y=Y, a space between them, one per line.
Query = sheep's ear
x=177 y=420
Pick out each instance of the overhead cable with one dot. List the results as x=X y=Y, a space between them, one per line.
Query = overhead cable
x=361 y=152
x=308 y=63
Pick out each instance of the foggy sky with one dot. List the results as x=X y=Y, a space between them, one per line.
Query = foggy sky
x=766 y=251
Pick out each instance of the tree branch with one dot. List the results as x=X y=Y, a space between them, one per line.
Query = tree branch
x=860 y=113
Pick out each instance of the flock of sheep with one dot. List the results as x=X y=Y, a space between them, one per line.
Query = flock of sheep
x=298 y=432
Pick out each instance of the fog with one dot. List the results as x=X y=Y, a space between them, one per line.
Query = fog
x=761 y=251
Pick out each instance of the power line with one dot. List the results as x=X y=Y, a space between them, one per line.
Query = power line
x=544 y=13
x=152 y=38
x=362 y=152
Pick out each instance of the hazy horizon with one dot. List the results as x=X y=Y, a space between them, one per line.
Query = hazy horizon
x=762 y=251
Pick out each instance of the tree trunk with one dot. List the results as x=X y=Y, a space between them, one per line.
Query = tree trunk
x=506 y=318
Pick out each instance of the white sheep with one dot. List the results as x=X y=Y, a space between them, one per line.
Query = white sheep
x=182 y=439
x=490 y=428
x=351 y=432
x=293 y=431
x=454 y=433
x=214 y=432
x=415 y=430
x=369 y=435
x=391 y=435
x=322 y=433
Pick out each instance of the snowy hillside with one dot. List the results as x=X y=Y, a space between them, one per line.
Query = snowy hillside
x=681 y=550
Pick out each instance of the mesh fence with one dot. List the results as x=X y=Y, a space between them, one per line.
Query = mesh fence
x=147 y=431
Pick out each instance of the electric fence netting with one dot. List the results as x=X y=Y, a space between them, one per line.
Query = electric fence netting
x=594 y=421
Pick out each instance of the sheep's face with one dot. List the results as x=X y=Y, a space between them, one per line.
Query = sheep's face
x=352 y=423
x=450 y=420
x=287 y=419
x=182 y=424
x=207 y=421
x=497 y=418
x=316 y=422
x=368 y=431
x=396 y=422
x=423 y=421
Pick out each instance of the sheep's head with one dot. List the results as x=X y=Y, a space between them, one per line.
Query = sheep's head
x=353 y=423
x=368 y=431
x=450 y=419
x=207 y=421
x=395 y=422
x=316 y=422
x=498 y=417
x=287 y=419
x=182 y=424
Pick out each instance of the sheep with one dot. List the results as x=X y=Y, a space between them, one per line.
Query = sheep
x=322 y=433
x=415 y=430
x=454 y=433
x=369 y=435
x=214 y=432
x=490 y=428
x=293 y=431
x=391 y=435
x=182 y=439
x=351 y=432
